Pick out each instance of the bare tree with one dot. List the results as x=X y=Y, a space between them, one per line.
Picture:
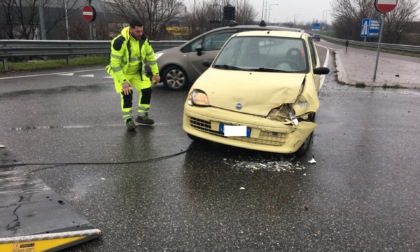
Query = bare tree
x=396 y=22
x=202 y=15
x=17 y=18
x=155 y=14
x=245 y=12
x=20 y=18
x=348 y=15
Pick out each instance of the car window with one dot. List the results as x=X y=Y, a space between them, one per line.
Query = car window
x=216 y=41
x=313 y=55
x=264 y=54
x=210 y=42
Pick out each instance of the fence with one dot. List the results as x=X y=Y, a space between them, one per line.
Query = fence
x=67 y=48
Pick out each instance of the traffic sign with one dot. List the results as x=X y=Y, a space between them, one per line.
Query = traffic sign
x=385 y=6
x=370 y=27
x=89 y=13
x=316 y=26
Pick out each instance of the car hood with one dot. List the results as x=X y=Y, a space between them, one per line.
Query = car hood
x=256 y=93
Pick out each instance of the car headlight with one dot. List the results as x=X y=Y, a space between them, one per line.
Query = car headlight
x=158 y=54
x=198 y=98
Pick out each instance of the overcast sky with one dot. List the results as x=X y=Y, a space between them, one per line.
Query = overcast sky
x=291 y=10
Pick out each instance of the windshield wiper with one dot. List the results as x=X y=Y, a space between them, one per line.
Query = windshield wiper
x=263 y=69
x=227 y=67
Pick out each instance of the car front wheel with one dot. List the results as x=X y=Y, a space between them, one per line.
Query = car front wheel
x=306 y=145
x=174 y=78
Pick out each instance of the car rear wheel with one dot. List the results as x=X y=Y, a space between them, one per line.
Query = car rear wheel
x=174 y=78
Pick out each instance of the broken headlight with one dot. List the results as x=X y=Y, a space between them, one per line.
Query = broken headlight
x=284 y=112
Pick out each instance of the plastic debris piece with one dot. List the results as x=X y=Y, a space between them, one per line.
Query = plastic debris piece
x=312 y=161
x=2 y=146
x=242 y=188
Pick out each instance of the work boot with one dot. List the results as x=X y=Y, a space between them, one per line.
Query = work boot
x=144 y=119
x=131 y=126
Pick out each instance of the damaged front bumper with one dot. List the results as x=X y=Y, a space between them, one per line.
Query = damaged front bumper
x=260 y=133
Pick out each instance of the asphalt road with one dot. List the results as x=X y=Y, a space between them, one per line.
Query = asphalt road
x=362 y=193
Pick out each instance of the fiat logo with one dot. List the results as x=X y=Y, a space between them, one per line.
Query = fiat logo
x=238 y=106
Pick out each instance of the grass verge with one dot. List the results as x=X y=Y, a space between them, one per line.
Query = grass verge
x=51 y=63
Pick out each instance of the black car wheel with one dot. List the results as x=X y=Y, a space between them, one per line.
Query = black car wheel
x=174 y=78
x=306 y=145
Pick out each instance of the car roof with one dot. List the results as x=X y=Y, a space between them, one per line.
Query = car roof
x=258 y=27
x=276 y=33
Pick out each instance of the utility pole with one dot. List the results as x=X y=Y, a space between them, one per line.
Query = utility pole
x=41 y=19
x=67 y=19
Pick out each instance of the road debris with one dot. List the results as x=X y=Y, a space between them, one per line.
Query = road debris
x=266 y=165
x=312 y=161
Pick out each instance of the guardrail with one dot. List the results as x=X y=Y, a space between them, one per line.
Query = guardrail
x=67 y=48
x=398 y=47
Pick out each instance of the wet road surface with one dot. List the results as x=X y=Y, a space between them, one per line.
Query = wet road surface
x=155 y=189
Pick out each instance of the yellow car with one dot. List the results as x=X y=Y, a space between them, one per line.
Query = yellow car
x=259 y=93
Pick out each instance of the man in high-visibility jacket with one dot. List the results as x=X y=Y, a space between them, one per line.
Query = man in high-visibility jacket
x=129 y=52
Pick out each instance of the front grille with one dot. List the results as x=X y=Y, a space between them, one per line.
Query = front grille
x=203 y=126
x=266 y=138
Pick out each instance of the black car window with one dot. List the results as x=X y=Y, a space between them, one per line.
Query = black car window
x=215 y=41
x=210 y=42
x=313 y=55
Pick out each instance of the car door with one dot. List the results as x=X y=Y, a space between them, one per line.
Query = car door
x=206 y=48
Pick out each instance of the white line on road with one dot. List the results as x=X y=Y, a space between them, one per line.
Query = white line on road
x=59 y=73
x=327 y=58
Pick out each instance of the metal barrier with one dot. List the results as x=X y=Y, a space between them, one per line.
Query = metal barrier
x=398 y=47
x=67 y=48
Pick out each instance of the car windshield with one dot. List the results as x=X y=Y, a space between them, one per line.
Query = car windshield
x=266 y=54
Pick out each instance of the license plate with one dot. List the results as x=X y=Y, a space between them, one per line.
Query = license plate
x=234 y=130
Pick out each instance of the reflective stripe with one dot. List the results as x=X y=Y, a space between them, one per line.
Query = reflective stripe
x=143 y=109
x=116 y=57
x=135 y=59
x=154 y=62
x=149 y=53
x=116 y=69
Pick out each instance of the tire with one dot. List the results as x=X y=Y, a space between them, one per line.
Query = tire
x=174 y=78
x=307 y=144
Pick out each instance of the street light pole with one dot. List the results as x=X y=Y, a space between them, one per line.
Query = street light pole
x=262 y=11
x=66 y=19
x=269 y=12
x=294 y=19
x=326 y=16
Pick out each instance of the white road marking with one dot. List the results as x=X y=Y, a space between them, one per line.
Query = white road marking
x=49 y=74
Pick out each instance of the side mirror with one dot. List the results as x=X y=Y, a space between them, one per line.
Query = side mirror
x=199 y=50
x=321 y=70
x=206 y=63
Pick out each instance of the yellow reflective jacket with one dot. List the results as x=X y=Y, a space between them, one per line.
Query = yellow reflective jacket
x=125 y=50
